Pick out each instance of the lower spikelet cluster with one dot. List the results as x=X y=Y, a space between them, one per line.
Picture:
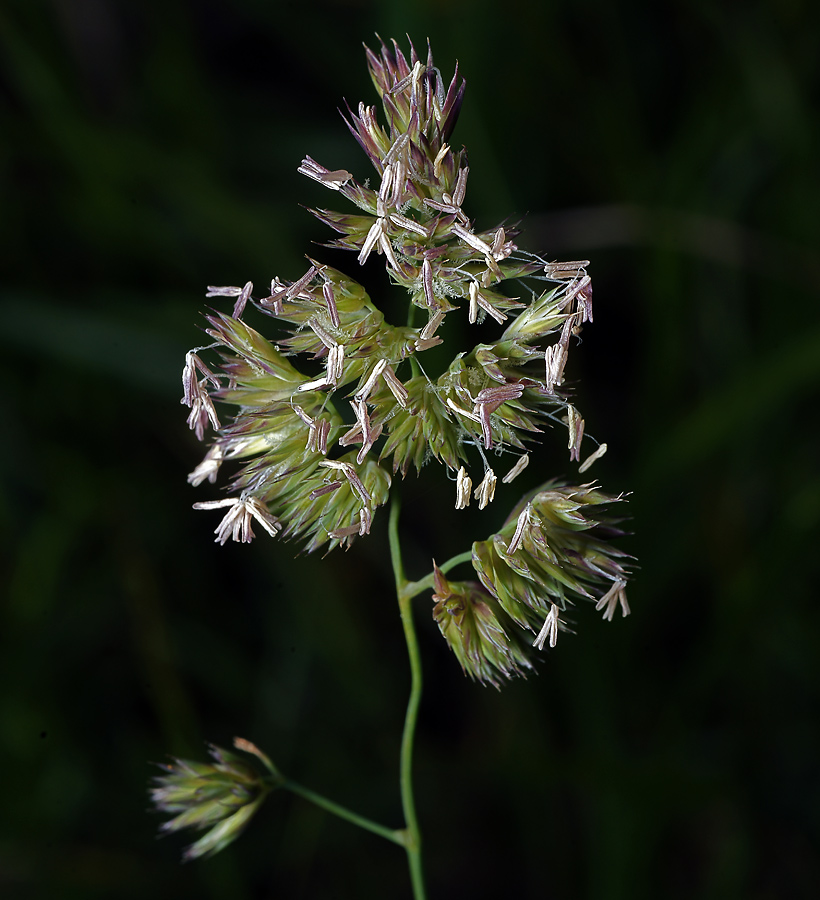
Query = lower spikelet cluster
x=553 y=551
x=219 y=797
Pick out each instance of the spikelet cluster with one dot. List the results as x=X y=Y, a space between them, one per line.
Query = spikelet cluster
x=219 y=797
x=330 y=410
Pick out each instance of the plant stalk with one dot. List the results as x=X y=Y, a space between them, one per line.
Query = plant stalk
x=397 y=837
x=412 y=842
x=412 y=588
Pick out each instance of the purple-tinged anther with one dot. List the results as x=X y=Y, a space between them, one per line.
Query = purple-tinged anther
x=296 y=289
x=489 y=400
x=326 y=489
x=397 y=389
x=560 y=271
x=350 y=474
x=460 y=190
x=427 y=282
x=242 y=300
x=195 y=395
x=330 y=299
x=228 y=291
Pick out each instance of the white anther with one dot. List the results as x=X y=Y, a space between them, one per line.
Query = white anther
x=445 y=149
x=376 y=231
x=485 y=492
x=395 y=148
x=575 y=426
x=427 y=282
x=409 y=225
x=517 y=469
x=318 y=384
x=365 y=520
x=333 y=180
x=471 y=239
x=387 y=248
x=463 y=486
x=432 y=325
x=548 y=630
x=237 y=521
x=555 y=358
x=208 y=468
x=473 y=314
x=364 y=392
x=335 y=363
x=592 y=457
x=523 y=521
x=616 y=594
x=463 y=412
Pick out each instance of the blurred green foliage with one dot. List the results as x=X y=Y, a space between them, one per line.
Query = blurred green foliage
x=149 y=149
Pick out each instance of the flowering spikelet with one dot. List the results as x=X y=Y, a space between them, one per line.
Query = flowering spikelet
x=470 y=621
x=552 y=551
x=338 y=402
x=221 y=796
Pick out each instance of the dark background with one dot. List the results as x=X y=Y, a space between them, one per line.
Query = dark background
x=148 y=149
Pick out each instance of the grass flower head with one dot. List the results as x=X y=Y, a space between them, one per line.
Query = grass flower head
x=338 y=402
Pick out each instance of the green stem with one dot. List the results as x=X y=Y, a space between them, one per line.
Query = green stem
x=397 y=837
x=410 y=836
x=412 y=842
x=413 y=588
